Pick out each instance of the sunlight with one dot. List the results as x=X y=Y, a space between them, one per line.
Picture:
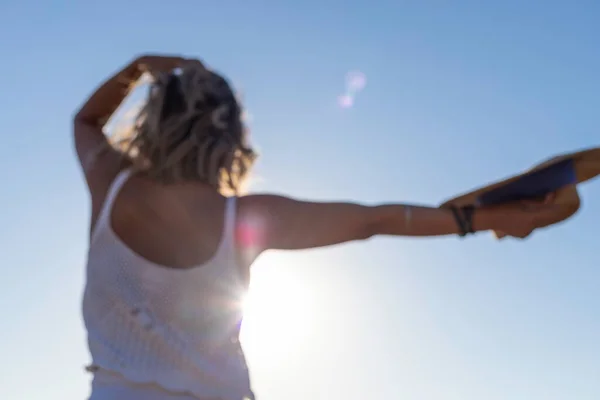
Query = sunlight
x=279 y=312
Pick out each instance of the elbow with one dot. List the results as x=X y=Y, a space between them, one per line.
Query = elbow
x=79 y=115
x=84 y=117
x=80 y=118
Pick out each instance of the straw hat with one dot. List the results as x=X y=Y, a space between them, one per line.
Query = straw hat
x=559 y=175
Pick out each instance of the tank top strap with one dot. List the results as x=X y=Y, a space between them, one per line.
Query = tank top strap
x=111 y=195
x=229 y=222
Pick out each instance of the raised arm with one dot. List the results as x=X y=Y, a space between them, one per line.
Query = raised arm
x=276 y=222
x=89 y=121
x=99 y=163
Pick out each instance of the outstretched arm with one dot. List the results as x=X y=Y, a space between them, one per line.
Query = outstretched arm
x=276 y=222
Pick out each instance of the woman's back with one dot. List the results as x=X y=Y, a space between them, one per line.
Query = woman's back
x=179 y=226
x=157 y=309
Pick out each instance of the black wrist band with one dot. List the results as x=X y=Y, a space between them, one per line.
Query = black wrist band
x=459 y=221
x=464 y=219
x=469 y=212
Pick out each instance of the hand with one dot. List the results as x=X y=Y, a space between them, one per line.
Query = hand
x=159 y=63
x=520 y=219
x=153 y=64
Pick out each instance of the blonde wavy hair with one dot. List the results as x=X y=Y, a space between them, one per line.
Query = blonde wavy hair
x=190 y=129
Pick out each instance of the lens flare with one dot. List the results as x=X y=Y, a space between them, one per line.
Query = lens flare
x=345 y=101
x=355 y=82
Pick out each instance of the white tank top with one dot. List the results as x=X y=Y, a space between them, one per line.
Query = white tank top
x=176 y=329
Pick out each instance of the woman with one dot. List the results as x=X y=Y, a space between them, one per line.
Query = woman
x=172 y=240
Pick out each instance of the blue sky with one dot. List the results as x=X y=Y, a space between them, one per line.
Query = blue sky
x=457 y=94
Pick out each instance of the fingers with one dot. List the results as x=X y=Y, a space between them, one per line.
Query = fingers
x=521 y=235
x=500 y=235
x=527 y=216
x=155 y=64
x=192 y=61
x=159 y=63
x=549 y=198
x=535 y=204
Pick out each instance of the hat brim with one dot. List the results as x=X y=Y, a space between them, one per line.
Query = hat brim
x=559 y=175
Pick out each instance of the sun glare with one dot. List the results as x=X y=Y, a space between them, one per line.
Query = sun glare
x=279 y=312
